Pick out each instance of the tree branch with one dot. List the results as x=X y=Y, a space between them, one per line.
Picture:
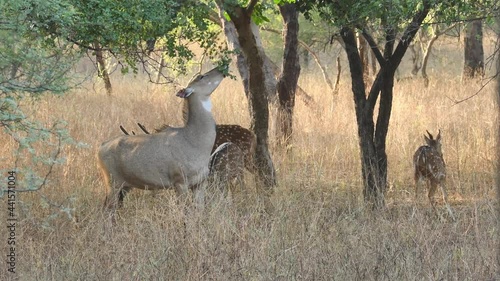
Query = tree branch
x=313 y=54
x=409 y=34
x=251 y=6
x=373 y=46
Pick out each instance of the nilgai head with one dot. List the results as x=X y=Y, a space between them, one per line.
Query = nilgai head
x=203 y=85
x=175 y=158
x=429 y=165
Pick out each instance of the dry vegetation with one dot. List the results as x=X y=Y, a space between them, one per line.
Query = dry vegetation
x=319 y=230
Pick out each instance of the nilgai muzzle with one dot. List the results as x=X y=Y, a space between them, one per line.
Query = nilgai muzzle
x=173 y=158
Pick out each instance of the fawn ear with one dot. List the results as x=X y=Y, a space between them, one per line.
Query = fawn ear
x=427 y=140
x=430 y=135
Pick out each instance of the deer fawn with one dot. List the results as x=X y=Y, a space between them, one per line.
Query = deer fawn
x=173 y=158
x=430 y=166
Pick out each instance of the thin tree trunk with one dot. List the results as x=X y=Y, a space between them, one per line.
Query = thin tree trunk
x=427 y=51
x=425 y=60
x=373 y=137
x=287 y=83
x=161 y=65
x=473 y=51
x=415 y=59
x=101 y=67
x=364 y=49
x=315 y=56
x=241 y=35
x=337 y=80
x=497 y=168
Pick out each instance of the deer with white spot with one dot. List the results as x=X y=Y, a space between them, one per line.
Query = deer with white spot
x=227 y=166
x=429 y=165
x=175 y=158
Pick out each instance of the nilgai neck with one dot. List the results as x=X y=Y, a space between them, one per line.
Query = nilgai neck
x=200 y=121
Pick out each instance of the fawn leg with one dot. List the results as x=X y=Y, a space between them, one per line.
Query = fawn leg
x=445 y=198
x=430 y=195
x=417 y=181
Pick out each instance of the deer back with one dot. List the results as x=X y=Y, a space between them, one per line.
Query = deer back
x=428 y=160
x=227 y=162
x=243 y=138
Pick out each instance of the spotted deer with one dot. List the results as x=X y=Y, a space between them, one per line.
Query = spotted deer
x=429 y=165
x=232 y=152
x=175 y=158
x=227 y=165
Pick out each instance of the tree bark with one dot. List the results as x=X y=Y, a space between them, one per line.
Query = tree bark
x=473 y=50
x=364 y=50
x=257 y=92
x=101 y=67
x=373 y=137
x=497 y=168
x=289 y=77
x=364 y=114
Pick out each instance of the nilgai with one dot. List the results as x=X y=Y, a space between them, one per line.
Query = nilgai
x=173 y=158
x=233 y=150
x=430 y=166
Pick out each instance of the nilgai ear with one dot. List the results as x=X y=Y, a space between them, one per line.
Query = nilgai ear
x=184 y=93
x=438 y=138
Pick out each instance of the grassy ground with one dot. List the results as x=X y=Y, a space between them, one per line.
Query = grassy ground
x=319 y=230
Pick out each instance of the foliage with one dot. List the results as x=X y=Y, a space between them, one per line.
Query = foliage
x=124 y=27
x=32 y=63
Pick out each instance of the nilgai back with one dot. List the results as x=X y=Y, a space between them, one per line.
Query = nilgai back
x=173 y=158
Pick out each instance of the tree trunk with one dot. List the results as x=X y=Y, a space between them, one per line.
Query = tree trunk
x=161 y=65
x=364 y=117
x=290 y=71
x=427 y=51
x=101 y=67
x=258 y=92
x=364 y=50
x=497 y=167
x=373 y=137
x=473 y=50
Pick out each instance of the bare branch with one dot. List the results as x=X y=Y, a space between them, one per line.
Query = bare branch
x=313 y=54
x=476 y=93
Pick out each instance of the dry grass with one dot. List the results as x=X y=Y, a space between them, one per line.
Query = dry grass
x=319 y=230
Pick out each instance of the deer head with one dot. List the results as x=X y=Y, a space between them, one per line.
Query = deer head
x=434 y=143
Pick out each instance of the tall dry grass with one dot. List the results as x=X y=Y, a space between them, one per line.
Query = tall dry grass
x=319 y=230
